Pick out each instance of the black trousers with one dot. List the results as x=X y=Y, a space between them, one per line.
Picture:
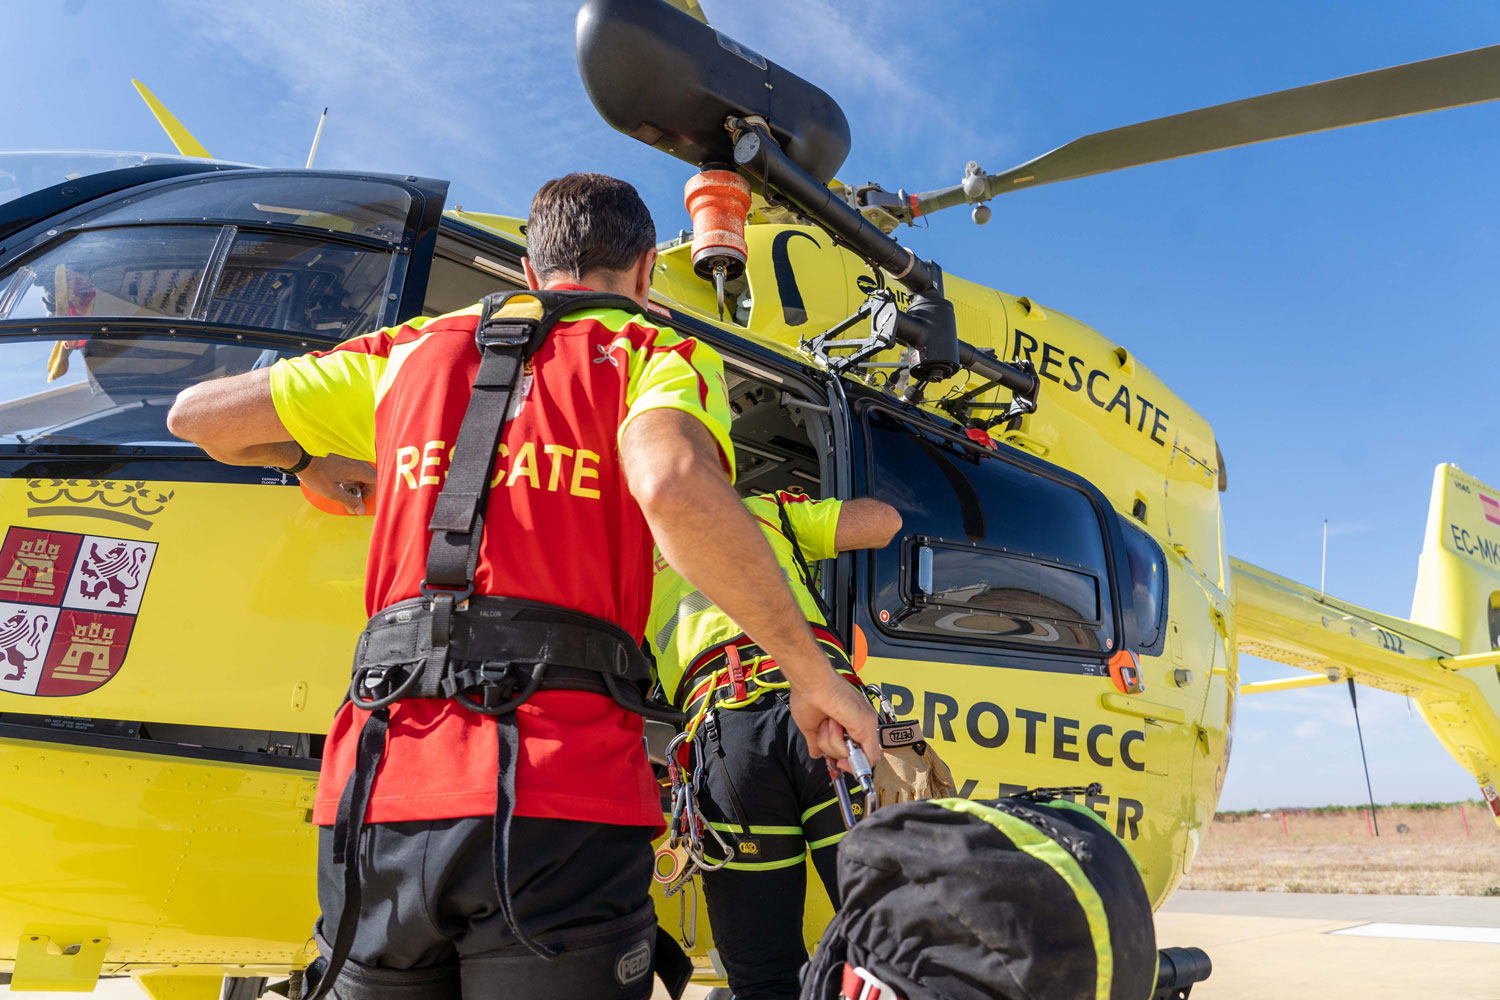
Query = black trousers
x=430 y=927
x=774 y=805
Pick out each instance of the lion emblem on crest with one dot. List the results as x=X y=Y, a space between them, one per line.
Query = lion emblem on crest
x=118 y=569
x=21 y=638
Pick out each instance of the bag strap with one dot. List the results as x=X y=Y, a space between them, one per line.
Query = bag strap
x=802 y=568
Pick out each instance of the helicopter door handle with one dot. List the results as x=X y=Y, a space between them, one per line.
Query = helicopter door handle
x=1025 y=442
x=924 y=570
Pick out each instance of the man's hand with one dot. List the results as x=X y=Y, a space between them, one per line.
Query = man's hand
x=344 y=480
x=827 y=710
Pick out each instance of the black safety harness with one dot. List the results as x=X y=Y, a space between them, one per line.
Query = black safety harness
x=803 y=570
x=739 y=815
x=489 y=654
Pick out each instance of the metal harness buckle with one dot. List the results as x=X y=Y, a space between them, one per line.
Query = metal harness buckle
x=507 y=332
x=460 y=596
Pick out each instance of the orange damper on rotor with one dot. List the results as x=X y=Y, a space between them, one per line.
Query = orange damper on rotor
x=717 y=201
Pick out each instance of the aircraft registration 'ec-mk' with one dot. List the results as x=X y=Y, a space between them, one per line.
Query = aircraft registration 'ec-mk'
x=1059 y=610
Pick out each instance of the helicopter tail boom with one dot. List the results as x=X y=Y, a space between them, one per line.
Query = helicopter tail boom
x=1446 y=658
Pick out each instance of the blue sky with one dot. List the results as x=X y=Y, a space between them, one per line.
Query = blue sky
x=1328 y=303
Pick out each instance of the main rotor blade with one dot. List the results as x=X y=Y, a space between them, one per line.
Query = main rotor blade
x=187 y=144
x=1410 y=89
x=690 y=7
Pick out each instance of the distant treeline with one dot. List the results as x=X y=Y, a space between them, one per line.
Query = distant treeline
x=1238 y=814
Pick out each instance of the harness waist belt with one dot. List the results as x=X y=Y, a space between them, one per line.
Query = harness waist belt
x=500 y=650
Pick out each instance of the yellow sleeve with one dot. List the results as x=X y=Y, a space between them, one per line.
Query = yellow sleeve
x=816 y=523
x=327 y=401
x=679 y=373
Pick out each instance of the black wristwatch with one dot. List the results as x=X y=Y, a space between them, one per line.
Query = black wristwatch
x=302 y=463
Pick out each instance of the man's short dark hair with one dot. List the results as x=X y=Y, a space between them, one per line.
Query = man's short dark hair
x=583 y=222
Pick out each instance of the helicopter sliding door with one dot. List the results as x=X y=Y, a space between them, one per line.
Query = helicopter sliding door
x=993 y=617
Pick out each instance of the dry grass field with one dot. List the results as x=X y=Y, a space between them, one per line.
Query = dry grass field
x=1421 y=850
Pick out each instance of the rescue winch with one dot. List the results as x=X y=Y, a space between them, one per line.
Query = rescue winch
x=717 y=200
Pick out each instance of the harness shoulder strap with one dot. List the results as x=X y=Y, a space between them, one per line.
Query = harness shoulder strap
x=802 y=567
x=512 y=327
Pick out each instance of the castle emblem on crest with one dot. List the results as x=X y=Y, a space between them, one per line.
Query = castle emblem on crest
x=34 y=568
x=88 y=655
x=68 y=607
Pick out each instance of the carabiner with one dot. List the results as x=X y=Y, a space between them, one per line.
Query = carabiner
x=846 y=807
x=863 y=772
x=702 y=861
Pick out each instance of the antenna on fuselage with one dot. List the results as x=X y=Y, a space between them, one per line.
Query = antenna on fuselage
x=1323 y=576
x=316 y=136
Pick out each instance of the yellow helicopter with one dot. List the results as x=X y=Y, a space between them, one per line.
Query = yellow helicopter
x=1060 y=609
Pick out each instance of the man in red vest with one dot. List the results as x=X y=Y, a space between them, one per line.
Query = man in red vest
x=486 y=801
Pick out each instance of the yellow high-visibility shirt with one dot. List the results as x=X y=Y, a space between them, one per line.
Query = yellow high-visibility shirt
x=683 y=622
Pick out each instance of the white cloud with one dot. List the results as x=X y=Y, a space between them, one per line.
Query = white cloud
x=1308 y=730
x=442 y=89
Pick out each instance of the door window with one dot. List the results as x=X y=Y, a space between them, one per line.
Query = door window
x=994 y=553
x=453 y=285
x=1146 y=614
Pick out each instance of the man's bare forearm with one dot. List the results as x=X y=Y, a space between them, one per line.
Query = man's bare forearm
x=280 y=455
x=235 y=421
x=866 y=523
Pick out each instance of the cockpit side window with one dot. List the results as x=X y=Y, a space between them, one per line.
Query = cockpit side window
x=143 y=271
x=109 y=391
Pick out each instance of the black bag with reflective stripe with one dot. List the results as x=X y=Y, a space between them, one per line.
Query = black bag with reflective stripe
x=952 y=899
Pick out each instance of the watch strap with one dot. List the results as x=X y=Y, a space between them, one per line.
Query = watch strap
x=302 y=463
